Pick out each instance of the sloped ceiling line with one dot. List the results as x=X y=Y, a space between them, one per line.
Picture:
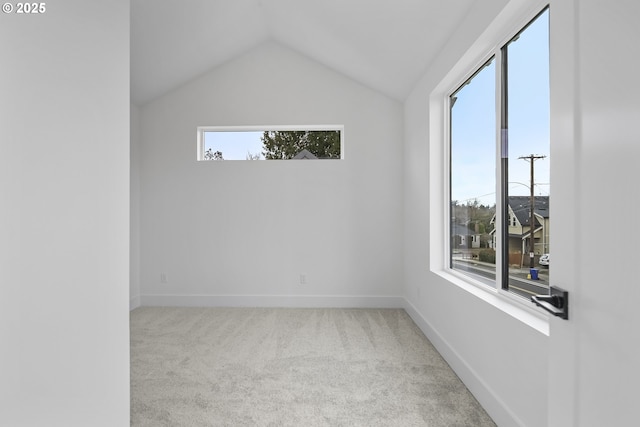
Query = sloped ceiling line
x=384 y=45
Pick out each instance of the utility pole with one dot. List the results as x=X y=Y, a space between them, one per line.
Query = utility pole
x=532 y=158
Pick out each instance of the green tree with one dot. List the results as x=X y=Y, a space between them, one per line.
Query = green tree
x=211 y=155
x=286 y=144
x=251 y=156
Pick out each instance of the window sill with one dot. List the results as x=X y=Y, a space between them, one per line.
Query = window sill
x=514 y=306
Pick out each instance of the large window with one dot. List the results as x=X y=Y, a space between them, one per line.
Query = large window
x=499 y=166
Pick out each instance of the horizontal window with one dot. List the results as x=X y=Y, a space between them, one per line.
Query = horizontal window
x=269 y=143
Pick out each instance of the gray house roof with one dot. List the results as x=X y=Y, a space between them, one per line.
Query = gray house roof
x=305 y=154
x=520 y=205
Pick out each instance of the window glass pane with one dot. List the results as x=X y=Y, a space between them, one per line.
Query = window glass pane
x=235 y=145
x=526 y=70
x=473 y=175
x=270 y=144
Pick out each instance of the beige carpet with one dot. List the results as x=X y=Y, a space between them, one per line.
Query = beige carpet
x=291 y=367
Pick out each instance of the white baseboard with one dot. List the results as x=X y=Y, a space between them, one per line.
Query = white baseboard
x=134 y=302
x=490 y=401
x=302 y=301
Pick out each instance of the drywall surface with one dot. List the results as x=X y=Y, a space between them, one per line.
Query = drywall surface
x=584 y=373
x=502 y=359
x=600 y=346
x=134 y=215
x=64 y=221
x=243 y=232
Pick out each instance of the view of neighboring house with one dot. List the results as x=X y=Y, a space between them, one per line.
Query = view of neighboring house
x=470 y=225
x=305 y=155
x=464 y=237
x=520 y=228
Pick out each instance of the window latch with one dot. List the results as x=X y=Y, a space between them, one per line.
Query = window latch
x=556 y=303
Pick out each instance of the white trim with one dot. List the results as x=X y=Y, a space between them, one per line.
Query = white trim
x=257 y=128
x=297 y=301
x=513 y=305
x=488 y=398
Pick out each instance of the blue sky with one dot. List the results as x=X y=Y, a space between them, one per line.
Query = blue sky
x=234 y=145
x=473 y=130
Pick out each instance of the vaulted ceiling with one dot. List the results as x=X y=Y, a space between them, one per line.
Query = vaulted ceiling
x=384 y=44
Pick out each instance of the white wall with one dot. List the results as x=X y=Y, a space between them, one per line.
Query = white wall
x=238 y=232
x=134 y=214
x=64 y=188
x=594 y=358
x=585 y=372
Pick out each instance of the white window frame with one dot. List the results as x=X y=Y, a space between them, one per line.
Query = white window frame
x=256 y=128
x=509 y=22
